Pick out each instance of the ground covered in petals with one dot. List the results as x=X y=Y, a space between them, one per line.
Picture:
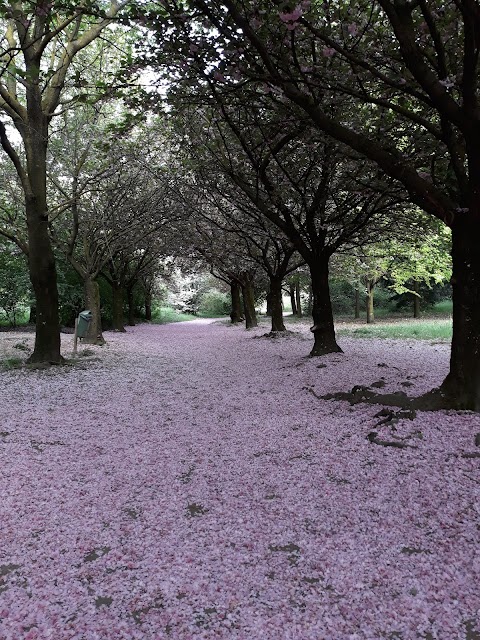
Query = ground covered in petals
x=187 y=481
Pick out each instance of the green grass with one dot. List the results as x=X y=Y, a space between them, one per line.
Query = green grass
x=11 y=363
x=163 y=315
x=445 y=307
x=440 y=329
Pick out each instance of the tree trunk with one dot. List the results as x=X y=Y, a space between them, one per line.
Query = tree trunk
x=148 y=305
x=275 y=295
x=249 y=305
x=462 y=385
x=370 y=310
x=236 y=313
x=117 y=307
x=416 y=301
x=268 y=312
x=131 y=307
x=41 y=260
x=323 y=328
x=357 y=302
x=33 y=314
x=92 y=302
x=293 y=302
x=43 y=276
x=310 y=300
x=298 y=299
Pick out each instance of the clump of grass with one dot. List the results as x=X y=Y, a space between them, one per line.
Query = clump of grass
x=22 y=346
x=163 y=315
x=11 y=363
x=416 y=329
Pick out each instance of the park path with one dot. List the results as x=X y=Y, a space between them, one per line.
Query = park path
x=187 y=482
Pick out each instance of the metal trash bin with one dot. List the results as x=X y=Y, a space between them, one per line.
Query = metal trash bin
x=84 y=319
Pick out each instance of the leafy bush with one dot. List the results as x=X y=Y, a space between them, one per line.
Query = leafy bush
x=342 y=294
x=14 y=282
x=70 y=294
x=214 y=303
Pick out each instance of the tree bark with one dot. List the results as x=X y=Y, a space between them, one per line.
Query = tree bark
x=236 y=313
x=33 y=314
x=416 y=301
x=370 y=309
x=131 y=307
x=275 y=294
x=268 y=312
x=117 y=307
x=462 y=385
x=323 y=327
x=92 y=302
x=293 y=302
x=298 y=299
x=249 y=305
x=310 y=300
x=42 y=270
x=357 y=302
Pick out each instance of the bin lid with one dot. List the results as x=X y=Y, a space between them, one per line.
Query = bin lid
x=86 y=315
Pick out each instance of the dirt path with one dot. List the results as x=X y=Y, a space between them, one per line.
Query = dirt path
x=190 y=484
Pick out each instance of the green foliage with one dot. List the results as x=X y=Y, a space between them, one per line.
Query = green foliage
x=214 y=303
x=342 y=294
x=70 y=294
x=425 y=260
x=15 y=292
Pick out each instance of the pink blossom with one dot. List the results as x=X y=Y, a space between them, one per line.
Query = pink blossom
x=189 y=481
x=352 y=29
x=328 y=52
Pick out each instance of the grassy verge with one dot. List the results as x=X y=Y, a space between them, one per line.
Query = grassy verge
x=163 y=315
x=431 y=329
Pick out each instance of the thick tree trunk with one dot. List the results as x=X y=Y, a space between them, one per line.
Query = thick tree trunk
x=117 y=307
x=275 y=294
x=41 y=260
x=298 y=299
x=249 y=305
x=370 y=309
x=357 y=302
x=462 y=385
x=236 y=312
x=43 y=276
x=323 y=328
x=92 y=302
x=131 y=307
x=293 y=302
x=148 y=306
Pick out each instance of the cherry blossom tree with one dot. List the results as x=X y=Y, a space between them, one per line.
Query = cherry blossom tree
x=40 y=41
x=299 y=180
x=408 y=71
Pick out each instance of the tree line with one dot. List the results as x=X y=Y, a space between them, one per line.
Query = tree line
x=308 y=132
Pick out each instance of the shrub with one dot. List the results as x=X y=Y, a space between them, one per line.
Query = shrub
x=214 y=303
